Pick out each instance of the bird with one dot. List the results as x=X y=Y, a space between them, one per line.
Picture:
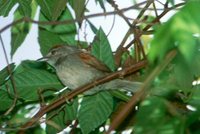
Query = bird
x=76 y=67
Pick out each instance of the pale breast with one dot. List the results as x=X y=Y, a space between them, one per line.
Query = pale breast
x=77 y=74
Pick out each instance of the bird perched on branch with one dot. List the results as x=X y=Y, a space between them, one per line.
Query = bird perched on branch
x=76 y=67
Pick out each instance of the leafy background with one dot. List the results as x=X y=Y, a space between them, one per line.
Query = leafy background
x=170 y=104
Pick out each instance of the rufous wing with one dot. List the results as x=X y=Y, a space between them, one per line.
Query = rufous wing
x=93 y=61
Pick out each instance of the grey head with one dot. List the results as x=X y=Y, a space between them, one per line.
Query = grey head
x=59 y=52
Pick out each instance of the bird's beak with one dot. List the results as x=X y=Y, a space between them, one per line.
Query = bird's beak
x=42 y=59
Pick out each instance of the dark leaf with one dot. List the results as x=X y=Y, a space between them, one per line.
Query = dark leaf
x=47 y=40
x=4 y=73
x=20 y=31
x=25 y=7
x=94 y=111
x=101 y=3
x=5 y=100
x=152 y=118
x=65 y=32
x=61 y=118
x=52 y=9
x=101 y=49
x=6 y=6
x=29 y=78
x=79 y=9
x=94 y=29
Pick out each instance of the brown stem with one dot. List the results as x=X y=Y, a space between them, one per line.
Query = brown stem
x=119 y=51
x=62 y=100
x=9 y=70
x=141 y=92
x=29 y=20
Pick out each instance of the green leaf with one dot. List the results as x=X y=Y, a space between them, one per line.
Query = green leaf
x=66 y=32
x=20 y=31
x=152 y=118
x=192 y=117
x=4 y=73
x=101 y=49
x=180 y=34
x=47 y=40
x=24 y=7
x=195 y=97
x=94 y=29
x=195 y=65
x=94 y=111
x=19 y=116
x=184 y=73
x=171 y=1
x=29 y=78
x=101 y=3
x=59 y=118
x=5 y=100
x=52 y=9
x=183 y=77
x=6 y=6
x=79 y=8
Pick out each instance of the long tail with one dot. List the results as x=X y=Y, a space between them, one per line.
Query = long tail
x=122 y=84
x=116 y=85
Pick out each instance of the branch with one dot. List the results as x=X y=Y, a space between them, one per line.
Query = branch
x=29 y=20
x=9 y=70
x=62 y=100
x=115 y=6
x=126 y=109
x=119 y=51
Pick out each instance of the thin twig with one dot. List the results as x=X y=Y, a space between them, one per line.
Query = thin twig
x=62 y=100
x=29 y=20
x=160 y=2
x=111 y=26
x=120 y=13
x=120 y=50
x=155 y=9
x=120 y=47
x=155 y=21
x=9 y=70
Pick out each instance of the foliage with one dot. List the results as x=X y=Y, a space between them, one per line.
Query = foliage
x=169 y=105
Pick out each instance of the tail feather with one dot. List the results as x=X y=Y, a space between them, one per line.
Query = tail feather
x=115 y=85
x=123 y=84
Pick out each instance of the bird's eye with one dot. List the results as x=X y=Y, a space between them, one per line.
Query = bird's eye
x=53 y=52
